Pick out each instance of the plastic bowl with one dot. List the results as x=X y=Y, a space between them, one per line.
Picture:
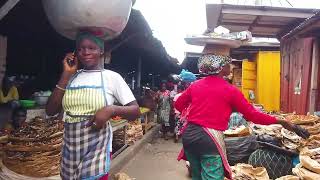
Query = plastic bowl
x=27 y=103
x=41 y=100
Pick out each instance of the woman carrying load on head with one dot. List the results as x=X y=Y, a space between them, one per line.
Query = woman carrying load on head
x=87 y=97
x=211 y=100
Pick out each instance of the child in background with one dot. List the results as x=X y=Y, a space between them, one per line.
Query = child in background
x=19 y=117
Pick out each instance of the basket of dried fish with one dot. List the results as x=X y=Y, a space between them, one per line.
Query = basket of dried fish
x=303 y=119
x=35 y=149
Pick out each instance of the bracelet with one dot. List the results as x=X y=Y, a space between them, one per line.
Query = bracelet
x=62 y=89
x=113 y=111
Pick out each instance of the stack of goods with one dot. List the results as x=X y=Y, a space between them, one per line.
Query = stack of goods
x=271 y=130
x=3 y=139
x=240 y=131
x=239 y=141
x=288 y=177
x=290 y=140
x=134 y=132
x=248 y=172
x=302 y=119
x=118 y=140
x=309 y=167
x=35 y=149
x=309 y=122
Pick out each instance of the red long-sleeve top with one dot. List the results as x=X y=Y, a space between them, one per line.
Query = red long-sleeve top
x=212 y=101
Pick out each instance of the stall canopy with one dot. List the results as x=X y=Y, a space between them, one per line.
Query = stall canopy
x=262 y=21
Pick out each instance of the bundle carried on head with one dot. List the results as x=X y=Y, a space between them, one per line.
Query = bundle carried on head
x=106 y=18
x=211 y=64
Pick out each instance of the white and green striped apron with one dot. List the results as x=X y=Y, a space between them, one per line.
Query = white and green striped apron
x=86 y=151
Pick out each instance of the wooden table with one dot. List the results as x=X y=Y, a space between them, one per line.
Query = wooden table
x=120 y=125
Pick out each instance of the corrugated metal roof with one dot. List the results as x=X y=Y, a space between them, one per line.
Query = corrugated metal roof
x=308 y=22
x=262 y=21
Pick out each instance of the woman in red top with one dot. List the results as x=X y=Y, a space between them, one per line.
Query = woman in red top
x=212 y=100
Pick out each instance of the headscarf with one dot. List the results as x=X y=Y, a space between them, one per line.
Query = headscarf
x=210 y=64
x=90 y=36
x=187 y=76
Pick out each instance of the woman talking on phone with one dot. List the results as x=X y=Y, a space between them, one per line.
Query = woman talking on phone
x=87 y=97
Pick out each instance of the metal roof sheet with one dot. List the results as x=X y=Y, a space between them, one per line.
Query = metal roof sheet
x=262 y=21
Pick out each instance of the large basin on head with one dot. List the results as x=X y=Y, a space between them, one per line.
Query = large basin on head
x=104 y=18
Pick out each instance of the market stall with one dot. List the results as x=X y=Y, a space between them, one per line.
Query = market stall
x=282 y=153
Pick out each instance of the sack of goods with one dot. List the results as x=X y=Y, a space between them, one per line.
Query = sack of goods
x=309 y=167
x=104 y=18
x=34 y=150
x=240 y=143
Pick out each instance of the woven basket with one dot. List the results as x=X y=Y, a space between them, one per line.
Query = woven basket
x=35 y=156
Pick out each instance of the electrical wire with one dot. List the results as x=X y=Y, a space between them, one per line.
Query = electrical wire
x=280 y=3
x=289 y=3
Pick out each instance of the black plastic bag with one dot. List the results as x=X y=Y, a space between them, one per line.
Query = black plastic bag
x=239 y=149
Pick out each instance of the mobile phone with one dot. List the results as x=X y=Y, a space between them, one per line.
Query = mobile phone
x=71 y=61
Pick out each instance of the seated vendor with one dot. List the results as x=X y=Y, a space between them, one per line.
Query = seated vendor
x=19 y=117
x=8 y=92
x=237 y=120
x=149 y=100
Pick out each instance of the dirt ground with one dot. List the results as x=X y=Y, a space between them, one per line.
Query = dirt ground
x=157 y=161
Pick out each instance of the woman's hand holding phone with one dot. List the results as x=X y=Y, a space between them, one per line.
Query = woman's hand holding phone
x=70 y=64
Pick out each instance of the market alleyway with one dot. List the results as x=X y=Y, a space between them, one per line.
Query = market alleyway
x=157 y=161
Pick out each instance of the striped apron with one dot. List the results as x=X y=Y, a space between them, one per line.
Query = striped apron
x=86 y=151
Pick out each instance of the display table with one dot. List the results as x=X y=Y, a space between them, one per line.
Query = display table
x=119 y=128
x=146 y=119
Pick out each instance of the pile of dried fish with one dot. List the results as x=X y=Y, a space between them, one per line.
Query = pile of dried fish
x=271 y=130
x=35 y=149
x=118 y=140
x=302 y=119
x=134 y=133
x=248 y=172
x=290 y=139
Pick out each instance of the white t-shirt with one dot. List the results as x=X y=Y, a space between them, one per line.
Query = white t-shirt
x=116 y=88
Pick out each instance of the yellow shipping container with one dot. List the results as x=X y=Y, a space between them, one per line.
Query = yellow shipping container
x=249 y=78
x=268 y=80
x=262 y=76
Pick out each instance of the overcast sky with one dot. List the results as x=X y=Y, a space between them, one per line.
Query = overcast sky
x=172 y=20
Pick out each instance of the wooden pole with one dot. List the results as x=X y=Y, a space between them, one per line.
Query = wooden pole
x=139 y=72
x=3 y=57
x=314 y=78
x=7 y=7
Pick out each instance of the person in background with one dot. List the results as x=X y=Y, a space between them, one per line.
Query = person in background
x=19 y=117
x=211 y=102
x=164 y=108
x=149 y=100
x=179 y=121
x=236 y=120
x=88 y=97
x=8 y=92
